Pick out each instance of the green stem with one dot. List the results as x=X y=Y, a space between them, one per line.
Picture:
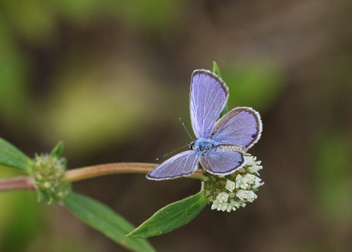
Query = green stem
x=17 y=183
x=114 y=168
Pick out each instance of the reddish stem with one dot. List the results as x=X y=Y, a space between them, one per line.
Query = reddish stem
x=17 y=183
x=114 y=168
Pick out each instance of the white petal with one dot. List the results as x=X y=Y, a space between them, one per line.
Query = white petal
x=257 y=182
x=230 y=185
x=215 y=205
x=223 y=206
x=251 y=196
x=222 y=197
x=249 y=178
x=241 y=194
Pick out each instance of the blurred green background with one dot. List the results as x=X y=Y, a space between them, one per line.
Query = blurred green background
x=111 y=78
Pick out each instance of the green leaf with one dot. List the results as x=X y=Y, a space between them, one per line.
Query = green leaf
x=58 y=149
x=171 y=217
x=216 y=69
x=105 y=220
x=10 y=156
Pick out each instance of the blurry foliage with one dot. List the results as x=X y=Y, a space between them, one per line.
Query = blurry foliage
x=34 y=20
x=59 y=244
x=154 y=14
x=85 y=104
x=82 y=106
x=20 y=217
x=38 y=20
x=13 y=90
x=257 y=83
x=333 y=163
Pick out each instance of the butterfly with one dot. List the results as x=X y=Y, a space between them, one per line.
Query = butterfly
x=221 y=144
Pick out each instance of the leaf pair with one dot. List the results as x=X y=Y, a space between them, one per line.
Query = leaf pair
x=92 y=212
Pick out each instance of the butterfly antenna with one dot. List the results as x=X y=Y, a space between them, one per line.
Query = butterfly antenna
x=184 y=126
x=172 y=152
x=187 y=145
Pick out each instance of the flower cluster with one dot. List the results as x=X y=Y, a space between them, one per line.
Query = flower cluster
x=48 y=172
x=233 y=191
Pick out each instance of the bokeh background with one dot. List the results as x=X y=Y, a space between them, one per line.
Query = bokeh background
x=111 y=78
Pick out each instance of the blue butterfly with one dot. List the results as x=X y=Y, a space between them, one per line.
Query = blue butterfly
x=220 y=145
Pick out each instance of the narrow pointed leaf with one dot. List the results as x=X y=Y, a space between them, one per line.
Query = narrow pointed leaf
x=105 y=220
x=10 y=156
x=171 y=217
x=58 y=149
x=216 y=69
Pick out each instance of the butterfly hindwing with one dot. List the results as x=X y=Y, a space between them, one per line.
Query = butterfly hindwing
x=222 y=162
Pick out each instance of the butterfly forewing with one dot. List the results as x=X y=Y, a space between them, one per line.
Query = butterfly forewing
x=222 y=162
x=208 y=97
x=240 y=126
x=182 y=164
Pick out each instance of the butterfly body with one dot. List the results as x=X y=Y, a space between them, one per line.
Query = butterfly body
x=204 y=144
x=221 y=144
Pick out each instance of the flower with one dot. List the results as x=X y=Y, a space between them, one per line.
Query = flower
x=249 y=178
x=230 y=192
x=254 y=166
x=257 y=182
x=230 y=185
x=251 y=196
x=241 y=183
x=215 y=204
x=241 y=194
x=222 y=197
x=48 y=172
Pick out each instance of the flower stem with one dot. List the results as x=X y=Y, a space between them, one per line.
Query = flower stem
x=17 y=183
x=114 y=168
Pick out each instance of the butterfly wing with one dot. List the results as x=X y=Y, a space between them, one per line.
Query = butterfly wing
x=208 y=97
x=240 y=126
x=222 y=162
x=182 y=164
